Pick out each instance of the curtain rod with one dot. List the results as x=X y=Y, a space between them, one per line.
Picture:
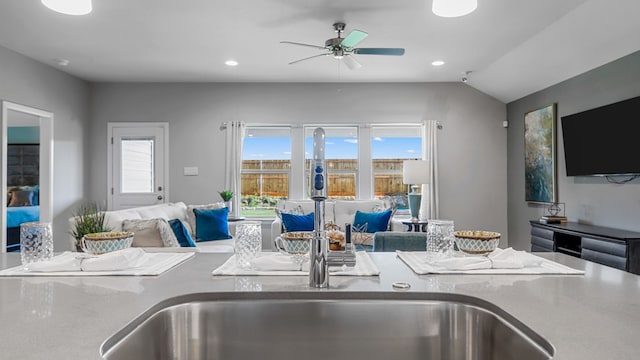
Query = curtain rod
x=223 y=126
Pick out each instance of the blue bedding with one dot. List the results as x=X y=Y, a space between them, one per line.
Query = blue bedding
x=22 y=214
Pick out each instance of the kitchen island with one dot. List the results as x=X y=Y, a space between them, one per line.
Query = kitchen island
x=591 y=316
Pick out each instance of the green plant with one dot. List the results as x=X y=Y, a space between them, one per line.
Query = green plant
x=88 y=219
x=226 y=195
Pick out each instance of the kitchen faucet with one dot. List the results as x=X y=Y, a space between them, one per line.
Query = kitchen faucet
x=320 y=258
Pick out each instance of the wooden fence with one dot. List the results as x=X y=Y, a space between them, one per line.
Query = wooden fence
x=387 y=181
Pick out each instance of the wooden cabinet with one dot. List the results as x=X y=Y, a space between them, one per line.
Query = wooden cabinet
x=607 y=246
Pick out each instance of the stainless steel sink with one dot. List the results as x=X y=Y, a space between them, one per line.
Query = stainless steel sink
x=326 y=325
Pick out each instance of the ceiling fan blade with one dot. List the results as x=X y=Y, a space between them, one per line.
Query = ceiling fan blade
x=301 y=44
x=310 y=57
x=351 y=62
x=379 y=51
x=354 y=37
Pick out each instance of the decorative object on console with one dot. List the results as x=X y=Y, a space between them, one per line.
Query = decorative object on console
x=414 y=173
x=555 y=214
x=212 y=224
x=540 y=155
x=89 y=219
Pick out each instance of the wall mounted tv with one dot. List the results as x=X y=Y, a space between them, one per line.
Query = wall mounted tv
x=603 y=141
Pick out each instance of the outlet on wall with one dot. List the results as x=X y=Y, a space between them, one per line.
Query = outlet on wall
x=191 y=171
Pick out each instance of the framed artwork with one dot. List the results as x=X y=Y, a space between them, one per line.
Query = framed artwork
x=540 y=155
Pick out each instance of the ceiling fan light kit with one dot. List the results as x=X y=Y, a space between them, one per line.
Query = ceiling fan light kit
x=69 y=7
x=344 y=48
x=453 y=8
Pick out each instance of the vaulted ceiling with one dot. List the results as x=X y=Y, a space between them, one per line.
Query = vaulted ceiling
x=511 y=47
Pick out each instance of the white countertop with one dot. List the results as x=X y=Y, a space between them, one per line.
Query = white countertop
x=591 y=316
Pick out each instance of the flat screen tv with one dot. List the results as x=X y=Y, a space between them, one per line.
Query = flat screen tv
x=603 y=141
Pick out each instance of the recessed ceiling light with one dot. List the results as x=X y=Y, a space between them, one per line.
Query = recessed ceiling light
x=69 y=7
x=453 y=8
x=231 y=63
x=437 y=63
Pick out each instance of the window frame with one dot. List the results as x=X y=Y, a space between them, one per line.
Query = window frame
x=364 y=172
x=262 y=171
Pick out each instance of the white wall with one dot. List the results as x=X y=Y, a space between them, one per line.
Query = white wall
x=472 y=141
x=28 y=82
x=590 y=200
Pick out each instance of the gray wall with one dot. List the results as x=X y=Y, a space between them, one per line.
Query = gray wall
x=472 y=143
x=588 y=199
x=28 y=82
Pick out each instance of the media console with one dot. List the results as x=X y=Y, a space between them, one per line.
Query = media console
x=607 y=246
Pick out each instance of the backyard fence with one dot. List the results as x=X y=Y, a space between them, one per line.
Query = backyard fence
x=271 y=178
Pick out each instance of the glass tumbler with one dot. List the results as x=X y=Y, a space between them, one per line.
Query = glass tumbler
x=440 y=238
x=36 y=242
x=248 y=243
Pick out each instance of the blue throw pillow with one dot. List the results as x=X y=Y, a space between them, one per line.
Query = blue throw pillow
x=36 y=195
x=181 y=233
x=293 y=222
x=212 y=224
x=375 y=221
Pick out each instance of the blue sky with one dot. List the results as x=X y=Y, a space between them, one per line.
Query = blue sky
x=336 y=148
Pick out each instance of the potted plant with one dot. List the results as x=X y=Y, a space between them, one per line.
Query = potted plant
x=88 y=219
x=226 y=196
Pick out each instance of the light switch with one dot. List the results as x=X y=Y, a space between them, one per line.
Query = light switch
x=191 y=171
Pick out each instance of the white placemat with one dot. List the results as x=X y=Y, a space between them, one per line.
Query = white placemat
x=152 y=263
x=364 y=267
x=418 y=262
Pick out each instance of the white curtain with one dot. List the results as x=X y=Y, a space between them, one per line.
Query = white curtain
x=233 y=164
x=429 y=206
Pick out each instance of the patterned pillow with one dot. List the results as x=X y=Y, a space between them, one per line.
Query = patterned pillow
x=151 y=233
x=297 y=210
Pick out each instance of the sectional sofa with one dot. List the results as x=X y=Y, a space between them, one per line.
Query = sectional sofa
x=115 y=220
x=338 y=212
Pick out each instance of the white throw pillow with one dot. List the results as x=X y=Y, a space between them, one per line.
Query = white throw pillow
x=151 y=233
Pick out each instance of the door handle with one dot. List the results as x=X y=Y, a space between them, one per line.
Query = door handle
x=160 y=197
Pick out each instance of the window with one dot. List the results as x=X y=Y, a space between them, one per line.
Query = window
x=266 y=167
x=362 y=162
x=137 y=166
x=341 y=156
x=390 y=146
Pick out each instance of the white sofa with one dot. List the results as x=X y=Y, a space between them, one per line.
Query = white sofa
x=169 y=211
x=339 y=212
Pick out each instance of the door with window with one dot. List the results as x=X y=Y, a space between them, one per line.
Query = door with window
x=138 y=164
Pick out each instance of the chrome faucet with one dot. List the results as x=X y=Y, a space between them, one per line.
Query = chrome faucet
x=319 y=257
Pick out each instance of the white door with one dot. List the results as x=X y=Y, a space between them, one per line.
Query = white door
x=138 y=164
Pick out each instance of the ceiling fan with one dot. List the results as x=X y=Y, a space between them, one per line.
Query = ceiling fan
x=344 y=48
